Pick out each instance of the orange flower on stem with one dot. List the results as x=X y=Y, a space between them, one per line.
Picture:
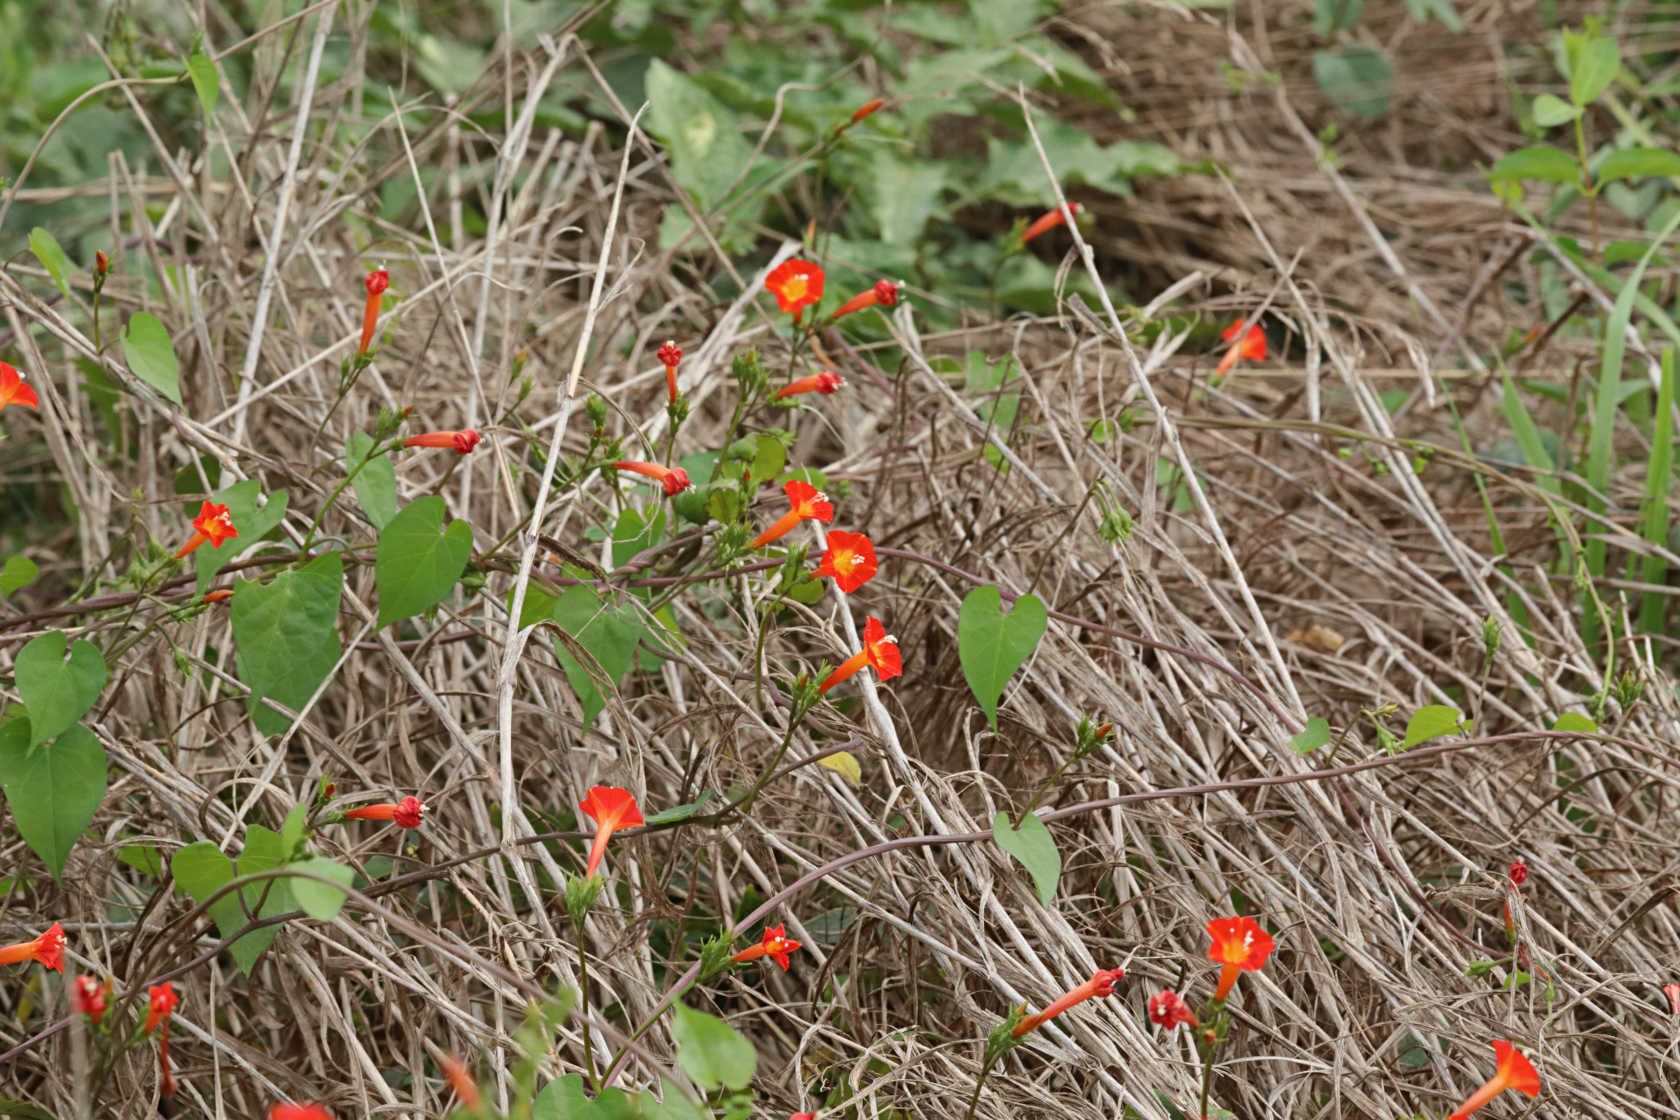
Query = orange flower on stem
x=1101 y=983
x=674 y=480
x=460 y=442
x=884 y=294
x=404 y=814
x=88 y=996
x=1240 y=945
x=776 y=945
x=825 y=383
x=461 y=1081
x=1672 y=991
x=880 y=650
x=212 y=524
x=14 y=391
x=1252 y=346
x=1169 y=1010
x=220 y=595
x=48 y=949
x=849 y=561
x=867 y=108
x=1518 y=874
x=611 y=809
x=161 y=1002
x=669 y=356
x=1514 y=1072
x=299 y=1112
x=1049 y=221
x=808 y=503
x=377 y=282
x=796 y=284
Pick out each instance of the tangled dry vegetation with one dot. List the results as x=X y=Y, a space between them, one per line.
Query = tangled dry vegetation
x=1286 y=580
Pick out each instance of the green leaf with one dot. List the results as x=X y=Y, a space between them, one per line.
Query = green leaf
x=636 y=532
x=200 y=870
x=1551 y=110
x=1431 y=722
x=562 y=1099
x=608 y=634
x=375 y=484
x=904 y=194
x=205 y=81
x=674 y=1106
x=151 y=356
x=1575 y=721
x=18 y=573
x=320 y=901
x=992 y=645
x=1659 y=476
x=53 y=790
x=417 y=565
x=1355 y=78
x=23 y=1110
x=46 y=249
x=1550 y=165
x=1331 y=16
x=1632 y=163
x=1592 y=68
x=1441 y=10
x=292 y=831
x=252 y=521
x=57 y=692
x=1313 y=736
x=711 y=1052
x=681 y=812
x=287 y=636
x=706 y=146
x=1032 y=845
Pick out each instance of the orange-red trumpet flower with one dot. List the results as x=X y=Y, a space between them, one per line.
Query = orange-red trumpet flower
x=377 y=282
x=611 y=809
x=47 y=949
x=212 y=524
x=1049 y=221
x=849 y=561
x=673 y=480
x=460 y=442
x=406 y=813
x=1101 y=983
x=796 y=284
x=1514 y=1072
x=14 y=391
x=825 y=383
x=669 y=356
x=1251 y=347
x=808 y=503
x=1240 y=945
x=885 y=293
x=775 y=944
x=880 y=650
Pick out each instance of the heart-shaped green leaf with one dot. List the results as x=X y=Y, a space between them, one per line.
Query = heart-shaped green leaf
x=417 y=564
x=609 y=634
x=1430 y=722
x=1313 y=736
x=151 y=356
x=287 y=636
x=47 y=250
x=992 y=645
x=252 y=521
x=57 y=692
x=1034 y=847
x=375 y=483
x=712 y=1052
x=200 y=870
x=321 y=901
x=53 y=791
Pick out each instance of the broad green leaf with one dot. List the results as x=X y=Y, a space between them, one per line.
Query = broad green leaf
x=200 y=870
x=1551 y=110
x=18 y=573
x=992 y=645
x=1331 y=16
x=205 y=82
x=904 y=194
x=845 y=764
x=375 y=484
x=57 y=692
x=681 y=812
x=1313 y=736
x=292 y=831
x=1631 y=163
x=23 y=1110
x=418 y=564
x=608 y=634
x=1356 y=78
x=636 y=532
x=706 y=146
x=1002 y=20
x=1441 y=10
x=1551 y=165
x=1592 y=68
x=320 y=901
x=674 y=1106
x=1431 y=722
x=252 y=520
x=287 y=636
x=151 y=356
x=1575 y=721
x=711 y=1052
x=52 y=790
x=1033 y=846
x=562 y=1099
x=46 y=249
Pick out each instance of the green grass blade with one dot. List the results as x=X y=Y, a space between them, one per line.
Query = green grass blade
x=1654 y=519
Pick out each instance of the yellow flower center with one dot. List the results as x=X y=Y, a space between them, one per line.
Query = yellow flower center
x=794 y=287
